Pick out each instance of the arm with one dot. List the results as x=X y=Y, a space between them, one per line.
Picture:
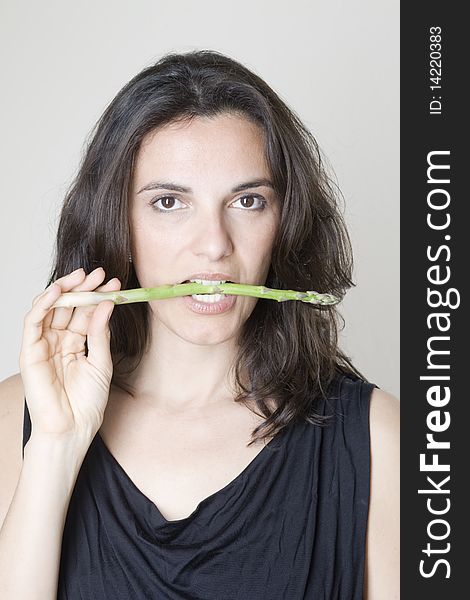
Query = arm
x=67 y=391
x=11 y=425
x=31 y=535
x=382 y=573
x=33 y=502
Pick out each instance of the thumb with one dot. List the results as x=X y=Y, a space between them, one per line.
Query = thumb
x=99 y=336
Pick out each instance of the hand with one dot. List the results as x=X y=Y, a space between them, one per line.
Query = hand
x=66 y=391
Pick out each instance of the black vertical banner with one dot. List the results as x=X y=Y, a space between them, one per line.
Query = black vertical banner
x=435 y=328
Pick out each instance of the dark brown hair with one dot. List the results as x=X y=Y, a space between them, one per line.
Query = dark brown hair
x=288 y=351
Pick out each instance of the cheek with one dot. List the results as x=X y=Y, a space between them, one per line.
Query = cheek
x=155 y=244
x=264 y=243
x=152 y=256
x=258 y=236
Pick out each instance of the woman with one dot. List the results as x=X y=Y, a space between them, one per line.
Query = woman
x=197 y=447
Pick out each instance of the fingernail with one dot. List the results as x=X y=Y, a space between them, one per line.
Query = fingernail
x=76 y=271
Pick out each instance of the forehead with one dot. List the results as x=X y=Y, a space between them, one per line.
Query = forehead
x=225 y=144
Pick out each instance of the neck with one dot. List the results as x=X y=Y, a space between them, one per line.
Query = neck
x=177 y=376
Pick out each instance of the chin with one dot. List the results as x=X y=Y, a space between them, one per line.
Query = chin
x=201 y=330
x=205 y=338
x=206 y=333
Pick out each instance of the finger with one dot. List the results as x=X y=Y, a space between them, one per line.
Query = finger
x=99 y=337
x=77 y=329
x=63 y=315
x=81 y=318
x=65 y=282
x=72 y=278
x=33 y=321
x=41 y=314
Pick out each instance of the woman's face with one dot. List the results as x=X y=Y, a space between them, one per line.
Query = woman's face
x=203 y=207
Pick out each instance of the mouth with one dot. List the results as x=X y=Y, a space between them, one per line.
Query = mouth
x=214 y=299
x=207 y=281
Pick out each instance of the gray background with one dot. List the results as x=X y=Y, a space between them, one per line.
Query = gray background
x=334 y=62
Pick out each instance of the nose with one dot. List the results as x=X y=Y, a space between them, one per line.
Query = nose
x=211 y=237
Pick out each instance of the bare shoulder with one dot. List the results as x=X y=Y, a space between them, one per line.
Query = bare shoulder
x=383 y=537
x=11 y=434
x=384 y=413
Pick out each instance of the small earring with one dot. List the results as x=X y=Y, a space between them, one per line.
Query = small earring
x=129 y=257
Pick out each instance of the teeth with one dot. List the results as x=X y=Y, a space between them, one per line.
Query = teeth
x=206 y=281
x=208 y=298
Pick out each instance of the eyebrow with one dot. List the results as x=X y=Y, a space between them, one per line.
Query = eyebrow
x=168 y=185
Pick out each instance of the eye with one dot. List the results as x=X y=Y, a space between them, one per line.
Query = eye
x=252 y=202
x=168 y=203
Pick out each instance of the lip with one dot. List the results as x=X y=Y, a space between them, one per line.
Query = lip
x=216 y=308
x=212 y=277
x=213 y=308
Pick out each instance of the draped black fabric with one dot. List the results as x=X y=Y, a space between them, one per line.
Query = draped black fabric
x=291 y=525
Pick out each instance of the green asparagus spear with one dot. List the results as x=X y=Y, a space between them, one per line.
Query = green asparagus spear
x=70 y=299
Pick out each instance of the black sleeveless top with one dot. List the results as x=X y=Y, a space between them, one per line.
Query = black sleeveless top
x=291 y=526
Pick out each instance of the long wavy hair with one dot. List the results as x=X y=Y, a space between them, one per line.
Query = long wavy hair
x=288 y=352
